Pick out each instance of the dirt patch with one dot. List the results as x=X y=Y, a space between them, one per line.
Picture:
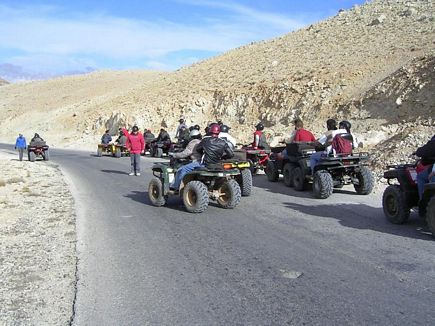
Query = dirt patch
x=37 y=244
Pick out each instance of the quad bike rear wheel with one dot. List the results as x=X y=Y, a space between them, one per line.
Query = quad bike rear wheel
x=155 y=192
x=287 y=173
x=46 y=155
x=394 y=205
x=245 y=182
x=323 y=185
x=366 y=181
x=159 y=152
x=299 y=182
x=430 y=215
x=195 y=197
x=231 y=194
x=32 y=156
x=272 y=172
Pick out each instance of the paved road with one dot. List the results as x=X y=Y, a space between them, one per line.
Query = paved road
x=140 y=265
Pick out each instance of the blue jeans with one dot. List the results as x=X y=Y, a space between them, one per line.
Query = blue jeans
x=185 y=169
x=422 y=179
x=314 y=159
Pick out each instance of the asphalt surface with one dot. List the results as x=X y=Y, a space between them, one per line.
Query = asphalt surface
x=281 y=257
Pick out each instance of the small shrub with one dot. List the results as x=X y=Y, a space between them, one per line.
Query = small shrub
x=25 y=189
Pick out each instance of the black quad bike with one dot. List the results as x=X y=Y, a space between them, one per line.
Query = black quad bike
x=35 y=151
x=330 y=172
x=158 y=148
x=402 y=195
x=217 y=183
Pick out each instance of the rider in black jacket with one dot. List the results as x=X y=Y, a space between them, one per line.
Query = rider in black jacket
x=211 y=150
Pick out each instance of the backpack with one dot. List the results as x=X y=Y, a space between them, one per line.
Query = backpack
x=341 y=145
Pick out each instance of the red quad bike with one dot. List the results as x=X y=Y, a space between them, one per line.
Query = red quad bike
x=256 y=157
x=36 y=151
x=402 y=195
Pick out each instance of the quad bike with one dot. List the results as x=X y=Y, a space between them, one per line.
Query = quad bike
x=106 y=149
x=330 y=172
x=34 y=151
x=256 y=157
x=120 y=151
x=216 y=182
x=158 y=148
x=402 y=195
x=148 y=142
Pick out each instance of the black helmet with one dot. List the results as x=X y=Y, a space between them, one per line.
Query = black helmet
x=197 y=127
x=135 y=128
x=345 y=125
x=259 y=126
x=225 y=128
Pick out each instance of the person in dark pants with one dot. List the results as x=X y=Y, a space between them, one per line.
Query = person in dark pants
x=20 y=145
x=136 y=144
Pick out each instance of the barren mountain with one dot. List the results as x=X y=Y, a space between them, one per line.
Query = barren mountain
x=3 y=82
x=373 y=65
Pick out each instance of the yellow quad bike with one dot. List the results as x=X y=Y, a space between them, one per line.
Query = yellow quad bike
x=109 y=149
x=121 y=151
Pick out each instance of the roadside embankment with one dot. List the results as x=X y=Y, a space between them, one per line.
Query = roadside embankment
x=37 y=244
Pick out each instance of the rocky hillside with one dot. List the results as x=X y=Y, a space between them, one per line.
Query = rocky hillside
x=373 y=65
x=3 y=82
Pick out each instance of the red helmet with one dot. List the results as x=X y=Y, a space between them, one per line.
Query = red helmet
x=215 y=129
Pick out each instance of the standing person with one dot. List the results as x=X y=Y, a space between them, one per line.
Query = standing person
x=136 y=144
x=20 y=145
x=180 y=127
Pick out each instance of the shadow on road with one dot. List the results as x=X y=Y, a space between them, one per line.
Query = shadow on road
x=114 y=172
x=142 y=197
x=279 y=187
x=364 y=217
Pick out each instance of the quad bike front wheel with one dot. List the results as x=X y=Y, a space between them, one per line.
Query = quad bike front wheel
x=159 y=153
x=245 y=182
x=287 y=173
x=272 y=173
x=155 y=192
x=430 y=215
x=46 y=155
x=366 y=181
x=195 y=197
x=118 y=152
x=230 y=194
x=99 y=152
x=323 y=185
x=394 y=205
x=32 y=156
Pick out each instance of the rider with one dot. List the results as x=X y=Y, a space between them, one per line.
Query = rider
x=427 y=154
x=210 y=149
x=136 y=144
x=260 y=138
x=346 y=125
x=299 y=135
x=37 y=140
x=182 y=124
x=163 y=136
x=326 y=140
x=122 y=139
x=225 y=135
x=189 y=152
x=106 y=138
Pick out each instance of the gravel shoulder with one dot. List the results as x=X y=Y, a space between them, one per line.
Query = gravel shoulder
x=37 y=244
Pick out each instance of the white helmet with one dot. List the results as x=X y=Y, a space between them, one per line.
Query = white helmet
x=194 y=133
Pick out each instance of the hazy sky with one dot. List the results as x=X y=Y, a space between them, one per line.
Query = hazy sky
x=58 y=36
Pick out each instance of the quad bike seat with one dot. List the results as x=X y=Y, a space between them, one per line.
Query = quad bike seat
x=300 y=148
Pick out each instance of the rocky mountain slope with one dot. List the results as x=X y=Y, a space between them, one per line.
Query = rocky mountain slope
x=3 y=82
x=373 y=65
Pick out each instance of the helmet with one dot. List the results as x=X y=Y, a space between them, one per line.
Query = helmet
x=197 y=127
x=345 y=125
x=194 y=133
x=214 y=129
x=331 y=124
x=135 y=128
x=181 y=119
x=259 y=126
x=225 y=128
